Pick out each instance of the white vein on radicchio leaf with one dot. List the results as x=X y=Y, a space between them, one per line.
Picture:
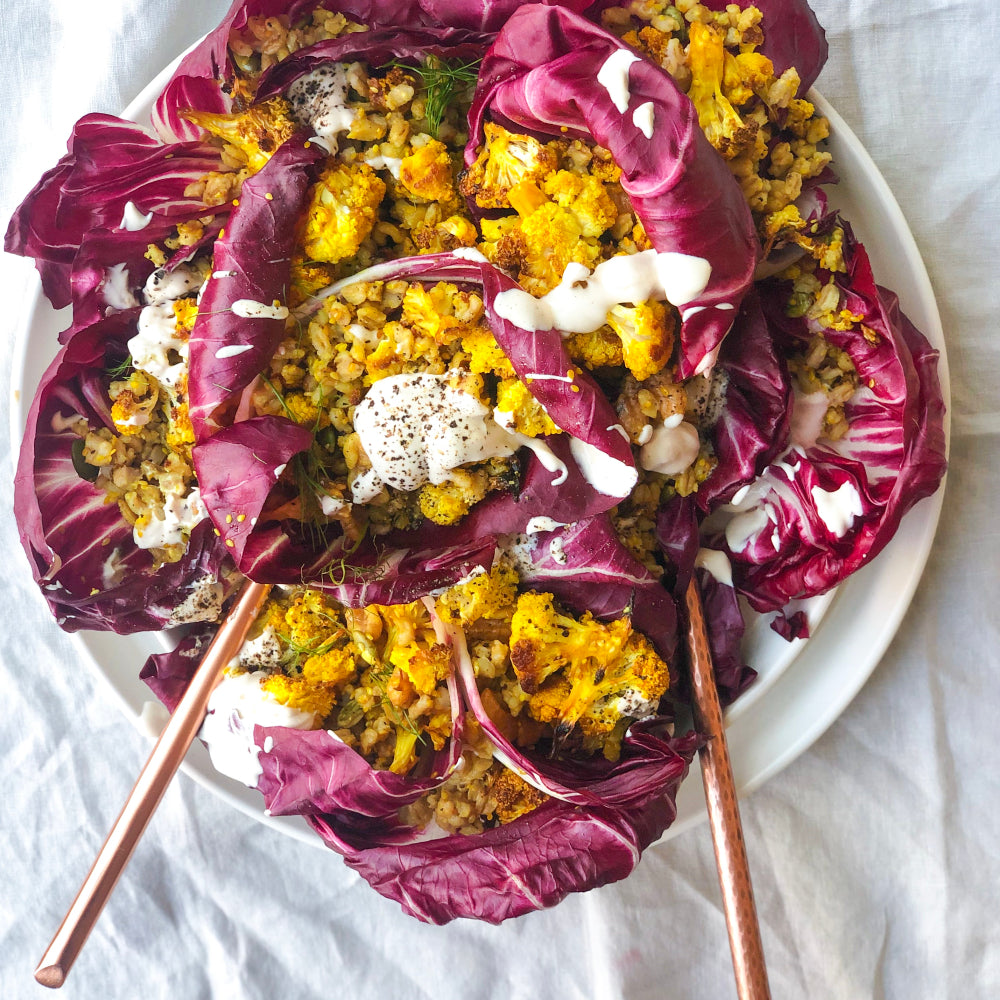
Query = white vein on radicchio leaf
x=82 y=551
x=892 y=455
x=541 y=75
x=529 y=864
x=252 y=262
x=71 y=221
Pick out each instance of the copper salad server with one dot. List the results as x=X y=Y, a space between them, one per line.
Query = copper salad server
x=145 y=796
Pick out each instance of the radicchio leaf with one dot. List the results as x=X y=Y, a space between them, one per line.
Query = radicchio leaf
x=109 y=163
x=239 y=325
x=529 y=864
x=541 y=75
x=81 y=549
x=827 y=507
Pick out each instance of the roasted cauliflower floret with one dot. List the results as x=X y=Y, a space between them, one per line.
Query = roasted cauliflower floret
x=449 y=502
x=586 y=197
x=426 y=172
x=583 y=672
x=647 y=335
x=506 y=159
x=485 y=354
x=514 y=797
x=256 y=132
x=488 y=595
x=553 y=238
x=342 y=210
x=599 y=349
x=527 y=415
x=718 y=119
x=429 y=311
x=544 y=640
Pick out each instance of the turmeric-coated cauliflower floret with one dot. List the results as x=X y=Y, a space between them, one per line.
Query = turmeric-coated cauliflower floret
x=718 y=119
x=449 y=502
x=586 y=197
x=553 y=238
x=426 y=172
x=487 y=595
x=513 y=796
x=599 y=349
x=544 y=639
x=646 y=331
x=485 y=354
x=429 y=311
x=342 y=210
x=506 y=159
x=256 y=132
x=527 y=415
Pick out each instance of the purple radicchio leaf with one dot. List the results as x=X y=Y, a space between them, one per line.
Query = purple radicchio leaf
x=110 y=162
x=531 y=863
x=825 y=508
x=240 y=317
x=752 y=424
x=82 y=551
x=791 y=627
x=541 y=75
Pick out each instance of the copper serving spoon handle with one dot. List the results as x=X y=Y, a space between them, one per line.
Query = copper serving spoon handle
x=724 y=813
x=148 y=790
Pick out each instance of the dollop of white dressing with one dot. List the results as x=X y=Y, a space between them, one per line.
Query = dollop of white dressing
x=642 y=119
x=262 y=653
x=331 y=505
x=416 y=429
x=151 y=347
x=557 y=552
x=634 y=704
x=165 y=286
x=808 y=411
x=115 y=290
x=838 y=508
x=717 y=563
x=180 y=515
x=203 y=603
x=580 y=302
x=133 y=220
x=252 y=309
x=613 y=77
x=233 y=351
x=390 y=163
x=235 y=707
x=318 y=101
x=671 y=448
x=744 y=527
x=602 y=471
x=537 y=524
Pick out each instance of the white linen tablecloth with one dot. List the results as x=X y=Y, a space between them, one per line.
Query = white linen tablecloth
x=876 y=855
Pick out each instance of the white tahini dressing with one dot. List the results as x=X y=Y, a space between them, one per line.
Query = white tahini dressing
x=236 y=706
x=537 y=524
x=672 y=447
x=262 y=653
x=717 y=563
x=416 y=429
x=180 y=515
x=602 y=471
x=202 y=604
x=232 y=351
x=390 y=163
x=133 y=220
x=165 y=286
x=746 y=526
x=158 y=348
x=252 y=309
x=613 y=77
x=838 y=508
x=580 y=302
x=319 y=100
x=116 y=289
x=642 y=119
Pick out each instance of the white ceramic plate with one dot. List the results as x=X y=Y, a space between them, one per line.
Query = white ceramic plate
x=802 y=686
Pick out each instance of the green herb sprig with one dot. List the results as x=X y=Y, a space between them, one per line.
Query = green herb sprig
x=441 y=80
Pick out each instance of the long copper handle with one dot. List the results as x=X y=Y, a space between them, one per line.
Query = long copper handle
x=149 y=788
x=724 y=814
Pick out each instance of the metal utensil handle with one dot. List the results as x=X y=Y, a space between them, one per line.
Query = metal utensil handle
x=148 y=790
x=724 y=814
